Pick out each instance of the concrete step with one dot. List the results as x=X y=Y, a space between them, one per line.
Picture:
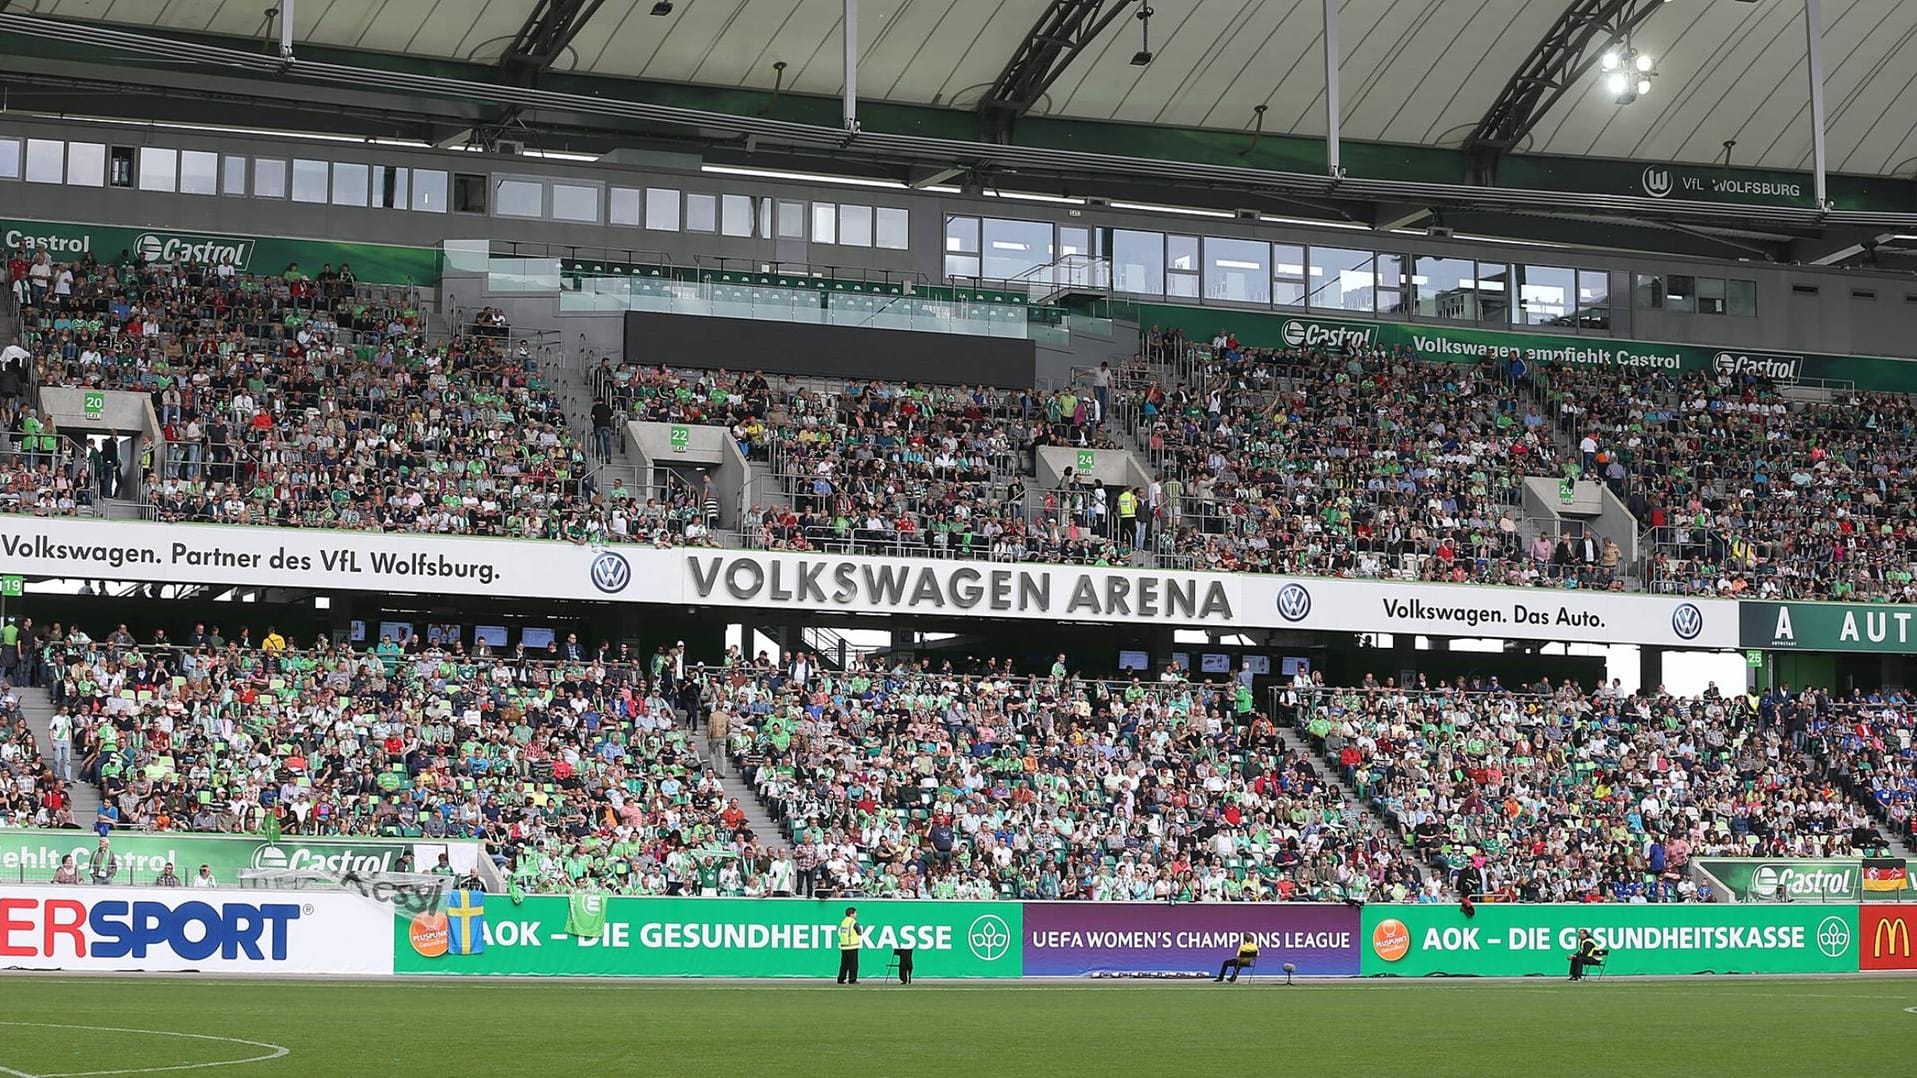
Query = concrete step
x=36 y=706
x=739 y=785
x=1368 y=815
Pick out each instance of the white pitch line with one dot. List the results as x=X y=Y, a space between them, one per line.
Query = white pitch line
x=277 y=1050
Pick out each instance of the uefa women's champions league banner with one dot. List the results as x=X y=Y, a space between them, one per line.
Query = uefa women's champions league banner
x=1075 y=939
x=765 y=580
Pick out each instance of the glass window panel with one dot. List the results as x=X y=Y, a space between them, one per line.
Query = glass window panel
x=1341 y=279
x=389 y=187
x=1138 y=262
x=519 y=198
x=575 y=202
x=702 y=212
x=309 y=180
x=46 y=161
x=1391 y=285
x=1649 y=291
x=961 y=265
x=469 y=192
x=1710 y=295
x=1181 y=253
x=855 y=225
x=1181 y=285
x=1680 y=293
x=1015 y=248
x=961 y=235
x=1545 y=296
x=622 y=206
x=429 y=190
x=825 y=222
x=1742 y=300
x=1594 y=299
x=735 y=215
x=199 y=172
x=892 y=228
x=662 y=209
x=1494 y=292
x=1237 y=271
x=86 y=164
x=156 y=168
x=232 y=175
x=1288 y=285
x=791 y=219
x=269 y=177
x=9 y=158
x=1446 y=288
x=349 y=183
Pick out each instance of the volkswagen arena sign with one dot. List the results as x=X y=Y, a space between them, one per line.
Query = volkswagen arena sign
x=763 y=580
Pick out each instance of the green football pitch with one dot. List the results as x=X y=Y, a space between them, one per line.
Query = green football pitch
x=237 y=1029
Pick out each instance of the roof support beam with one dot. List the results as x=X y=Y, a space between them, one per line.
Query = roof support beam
x=1814 y=33
x=1555 y=65
x=1062 y=32
x=542 y=38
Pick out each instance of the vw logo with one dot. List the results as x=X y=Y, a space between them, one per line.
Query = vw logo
x=1294 y=602
x=1833 y=937
x=989 y=938
x=1687 y=621
x=611 y=572
x=1657 y=181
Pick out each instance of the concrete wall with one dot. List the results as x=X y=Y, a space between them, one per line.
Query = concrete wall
x=1113 y=467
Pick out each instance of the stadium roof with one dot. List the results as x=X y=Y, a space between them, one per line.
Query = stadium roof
x=1421 y=81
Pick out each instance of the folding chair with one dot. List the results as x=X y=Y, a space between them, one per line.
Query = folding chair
x=900 y=966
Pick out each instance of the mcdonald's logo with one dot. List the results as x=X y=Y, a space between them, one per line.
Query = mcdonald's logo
x=1886 y=934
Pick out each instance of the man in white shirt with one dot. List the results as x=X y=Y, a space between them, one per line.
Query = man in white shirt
x=205 y=877
x=60 y=733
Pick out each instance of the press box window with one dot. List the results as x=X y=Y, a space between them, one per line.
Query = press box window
x=199 y=172
x=269 y=177
x=157 y=168
x=86 y=164
x=469 y=193
x=46 y=161
x=429 y=190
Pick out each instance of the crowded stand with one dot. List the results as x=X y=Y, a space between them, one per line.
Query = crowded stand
x=1748 y=490
x=903 y=468
x=911 y=781
x=311 y=401
x=576 y=770
x=1359 y=463
x=584 y=767
x=1868 y=740
x=1543 y=793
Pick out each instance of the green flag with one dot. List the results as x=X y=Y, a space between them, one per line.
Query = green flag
x=587 y=915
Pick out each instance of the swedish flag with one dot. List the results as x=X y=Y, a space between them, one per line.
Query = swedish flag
x=465 y=922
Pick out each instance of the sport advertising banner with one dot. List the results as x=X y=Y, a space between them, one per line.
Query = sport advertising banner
x=1753 y=879
x=374 y=263
x=705 y=937
x=32 y=856
x=1536 y=940
x=1884 y=937
x=209 y=931
x=1466 y=344
x=1075 y=939
x=763 y=580
x=1827 y=627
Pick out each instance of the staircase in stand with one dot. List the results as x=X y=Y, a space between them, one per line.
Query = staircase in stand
x=36 y=706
